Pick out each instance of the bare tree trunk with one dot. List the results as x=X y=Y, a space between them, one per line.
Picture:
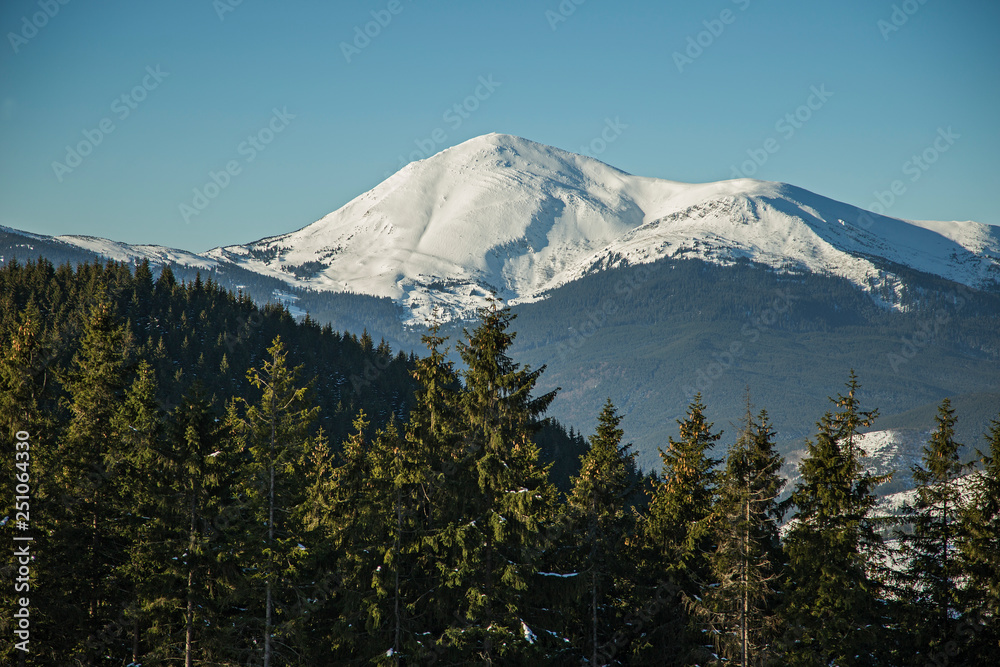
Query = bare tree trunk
x=593 y=573
x=189 y=631
x=270 y=557
x=593 y=603
x=488 y=644
x=945 y=570
x=189 y=616
x=746 y=565
x=395 y=548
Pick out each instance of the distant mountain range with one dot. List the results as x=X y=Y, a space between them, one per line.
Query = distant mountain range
x=507 y=215
x=641 y=289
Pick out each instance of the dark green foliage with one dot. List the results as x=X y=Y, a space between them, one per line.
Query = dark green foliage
x=832 y=606
x=979 y=553
x=739 y=610
x=272 y=435
x=602 y=529
x=86 y=546
x=929 y=580
x=680 y=533
x=199 y=499
x=511 y=498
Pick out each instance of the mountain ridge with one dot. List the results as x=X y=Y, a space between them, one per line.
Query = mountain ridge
x=499 y=214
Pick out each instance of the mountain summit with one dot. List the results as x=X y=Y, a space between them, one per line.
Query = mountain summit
x=503 y=214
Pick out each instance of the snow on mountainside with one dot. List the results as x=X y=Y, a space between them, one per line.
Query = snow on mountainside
x=893 y=451
x=504 y=214
x=124 y=252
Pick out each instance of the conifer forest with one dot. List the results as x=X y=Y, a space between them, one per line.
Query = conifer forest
x=209 y=482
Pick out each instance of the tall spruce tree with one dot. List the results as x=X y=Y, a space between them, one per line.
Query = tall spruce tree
x=603 y=524
x=274 y=432
x=930 y=576
x=436 y=479
x=341 y=531
x=979 y=550
x=681 y=536
x=832 y=608
x=181 y=488
x=512 y=497
x=27 y=407
x=739 y=609
x=138 y=427
x=86 y=545
x=389 y=505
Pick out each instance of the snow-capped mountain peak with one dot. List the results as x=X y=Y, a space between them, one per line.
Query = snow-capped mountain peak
x=503 y=214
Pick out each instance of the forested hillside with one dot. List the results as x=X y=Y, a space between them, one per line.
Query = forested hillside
x=214 y=484
x=652 y=336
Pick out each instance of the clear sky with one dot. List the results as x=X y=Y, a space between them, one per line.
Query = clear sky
x=114 y=113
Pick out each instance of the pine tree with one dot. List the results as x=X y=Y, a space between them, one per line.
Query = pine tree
x=832 y=604
x=274 y=433
x=28 y=418
x=436 y=479
x=339 y=525
x=979 y=550
x=182 y=483
x=138 y=426
x=930 y=575
x=740 y=608
x=603 y=524
x=85 y=544
x=680 y=532
x=512 y=497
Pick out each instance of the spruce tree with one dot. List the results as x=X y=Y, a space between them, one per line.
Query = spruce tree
x=602 y=525
x=183 y=481
x=929 y=578
x=273 y=432
x=979 y=551
x=28 y=419
x=339 y=525
x=435 y=482
x=138 y=426
x=739 y=609
x=511 y=500
x=680 y=534
x=832 y=607
x=85 y=544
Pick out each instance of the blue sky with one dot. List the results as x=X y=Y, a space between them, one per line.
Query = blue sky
x=836 y=97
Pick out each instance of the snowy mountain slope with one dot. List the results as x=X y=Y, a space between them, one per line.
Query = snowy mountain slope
x=507 y=215
x=504 y=214
x=888 y=451
x=156 y=254
x=790 y=228
x=894 y=504
x=117 y=251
